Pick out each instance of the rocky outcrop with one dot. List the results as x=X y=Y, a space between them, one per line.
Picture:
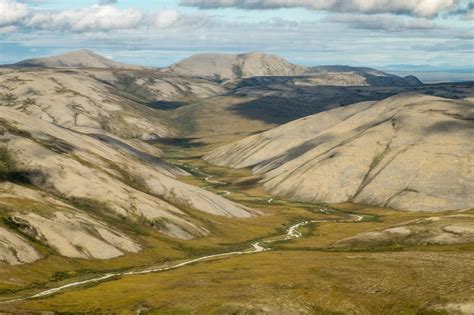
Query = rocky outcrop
x=410 y=152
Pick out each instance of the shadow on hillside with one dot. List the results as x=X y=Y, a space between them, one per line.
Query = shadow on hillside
x=23 y=177
x=281 y=104
x=296 y=152
x=281 y=109
x=276 y=110
x=178 y=142
x=452 y=126
x=166 y=105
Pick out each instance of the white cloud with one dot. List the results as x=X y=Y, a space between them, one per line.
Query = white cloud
x=421 y=8
x=96 y=18
x=165 y=18
x=12 y=12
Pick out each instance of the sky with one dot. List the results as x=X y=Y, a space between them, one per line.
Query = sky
x=404 y=36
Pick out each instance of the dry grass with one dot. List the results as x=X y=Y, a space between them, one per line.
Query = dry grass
x=371 y=283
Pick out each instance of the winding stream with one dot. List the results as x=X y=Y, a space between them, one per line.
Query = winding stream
x=257 y=247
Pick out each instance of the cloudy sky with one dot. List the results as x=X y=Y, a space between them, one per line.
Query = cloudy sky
x=424 y=35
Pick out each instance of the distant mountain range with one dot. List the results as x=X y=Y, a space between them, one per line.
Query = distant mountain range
x=251 y=65
x=228 y=67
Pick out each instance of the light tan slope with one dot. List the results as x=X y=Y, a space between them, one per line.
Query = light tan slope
x=78 y=166
x=410 y=151
x=227 y=66
x=83 y=58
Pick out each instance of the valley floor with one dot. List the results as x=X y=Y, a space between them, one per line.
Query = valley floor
x=306 y=274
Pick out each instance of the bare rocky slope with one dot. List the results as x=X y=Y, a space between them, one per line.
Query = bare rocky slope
x=409 y=151
x=83 y=58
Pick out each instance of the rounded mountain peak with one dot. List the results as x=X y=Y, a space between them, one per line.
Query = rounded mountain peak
x=228 y=66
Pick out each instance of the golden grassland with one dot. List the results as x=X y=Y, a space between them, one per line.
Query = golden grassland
x=299 y=281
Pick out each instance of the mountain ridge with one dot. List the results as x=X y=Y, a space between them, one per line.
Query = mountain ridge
x=236 y=67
